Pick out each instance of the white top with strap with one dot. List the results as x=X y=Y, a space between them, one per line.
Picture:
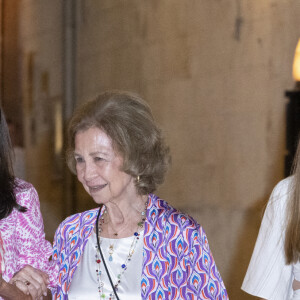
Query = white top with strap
x=84 y=285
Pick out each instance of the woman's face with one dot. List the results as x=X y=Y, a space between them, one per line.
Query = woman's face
x=98 y=168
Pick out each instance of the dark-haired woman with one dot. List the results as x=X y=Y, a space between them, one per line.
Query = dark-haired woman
x=21 y=226
x=135 y=245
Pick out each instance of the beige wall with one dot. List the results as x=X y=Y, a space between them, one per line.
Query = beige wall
x=41 y=65
x=10 y=79
x=216 y=89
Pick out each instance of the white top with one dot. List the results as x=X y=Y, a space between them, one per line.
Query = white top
x=84 y=285
x=268 y=276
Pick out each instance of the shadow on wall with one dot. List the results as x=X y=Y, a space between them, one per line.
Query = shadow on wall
x=243 y=249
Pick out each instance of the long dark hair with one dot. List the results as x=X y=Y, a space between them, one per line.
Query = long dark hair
x=7 y=179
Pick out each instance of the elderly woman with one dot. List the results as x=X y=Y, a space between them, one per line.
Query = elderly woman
x=135 y=245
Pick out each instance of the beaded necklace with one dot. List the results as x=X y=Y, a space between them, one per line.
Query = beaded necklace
x=136 y=237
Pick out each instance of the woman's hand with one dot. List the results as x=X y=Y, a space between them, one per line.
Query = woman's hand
x=296 y=290
x=31 y=281
x=10 y=292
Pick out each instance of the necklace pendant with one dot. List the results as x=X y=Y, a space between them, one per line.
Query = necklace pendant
x=111 y=252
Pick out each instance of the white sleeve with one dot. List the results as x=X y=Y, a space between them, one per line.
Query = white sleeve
x=296 y=295
x=268 y=276
x=296 y=271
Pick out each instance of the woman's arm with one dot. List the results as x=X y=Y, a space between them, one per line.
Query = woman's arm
x=268 y=276
x=201 y=262
x=33 y=249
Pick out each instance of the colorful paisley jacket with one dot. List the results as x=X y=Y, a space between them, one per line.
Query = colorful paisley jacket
x=177 y=261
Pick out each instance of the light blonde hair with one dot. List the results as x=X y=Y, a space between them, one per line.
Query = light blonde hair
x=127 y=120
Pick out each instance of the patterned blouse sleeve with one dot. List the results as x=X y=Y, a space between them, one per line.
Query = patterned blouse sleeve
x=33 y=249
x=204 y=279
x=2 y=264
x=56 y=244
x=56 y=259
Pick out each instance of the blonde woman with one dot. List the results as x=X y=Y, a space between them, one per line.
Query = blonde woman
x=274 y=269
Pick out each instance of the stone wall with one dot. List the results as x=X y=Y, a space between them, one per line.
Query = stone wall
x=41 y=69
x=214 y=73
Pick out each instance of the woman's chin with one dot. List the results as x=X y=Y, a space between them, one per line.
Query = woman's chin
x=99 y=200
